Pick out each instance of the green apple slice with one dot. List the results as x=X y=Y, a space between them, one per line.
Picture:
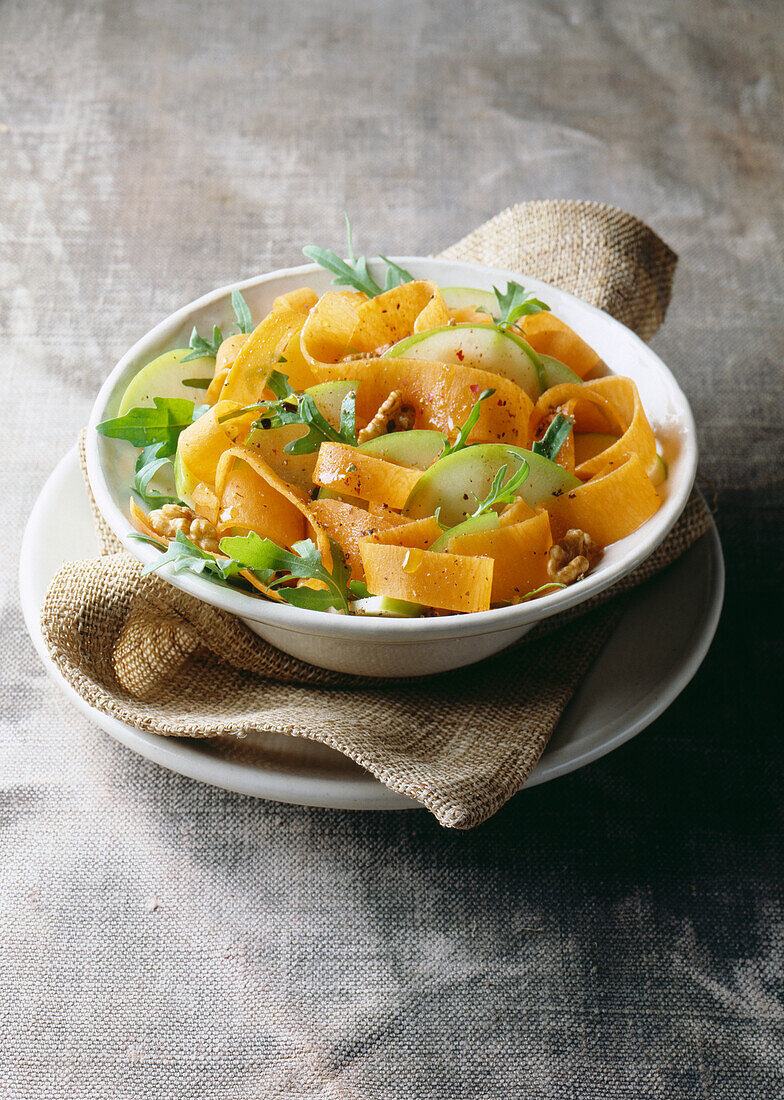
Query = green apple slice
x=456 y=483
x=329 y=398
x=166 y=377
x=660 y=472
x=468 y=297
x=184 y=481
x=470 y=526
x=554 y=373
x=386 y=607
x=415 y=448
x=480 y=346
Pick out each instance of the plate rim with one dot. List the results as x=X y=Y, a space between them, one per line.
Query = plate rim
x=350 y=792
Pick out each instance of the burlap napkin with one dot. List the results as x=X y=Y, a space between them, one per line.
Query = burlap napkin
x=460 y=743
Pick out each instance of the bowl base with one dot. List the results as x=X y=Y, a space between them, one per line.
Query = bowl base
x=368 y=658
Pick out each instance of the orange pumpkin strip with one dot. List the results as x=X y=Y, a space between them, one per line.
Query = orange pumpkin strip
x=249 y=503
x=351 y=473
x=549 y=335
x=471 y=316
x=589 y=444
x=276 y=338
x=442 y=396
x=270 y=444
x=519 y=551
x=342 y=324
x=381 y=508
x=326 y=334
x=266 y=505
x=202 y=443
x=216 y=385
x=348 y=525
x=142 y=525
x=419 y=534
x=387 y=318
x=591 y=411
x=517 y=511
x=300 y=300
x=206 y=503
x=608 y=507
x=638 y=438
x=251 y=578
x=451 y=582
x=229 y=350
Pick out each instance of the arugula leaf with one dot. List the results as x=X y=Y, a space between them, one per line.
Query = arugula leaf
x=348 y=419
x=396 y=275
x=554 y=438
x=354 y=271
x=300 y=408
x=501 y=492
x=313 y=599
x=359 y=590
x=279 y=384
x=265 y=558
x=185 y=556
x=345 y=275
x=462 y=439
x=147 y=466
x=515 y=302
x=201 y=347
x=242 y=312
x=538 y=591
x=319 y=430
x=160 y=424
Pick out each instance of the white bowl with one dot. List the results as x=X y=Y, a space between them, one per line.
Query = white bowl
x=402 y=647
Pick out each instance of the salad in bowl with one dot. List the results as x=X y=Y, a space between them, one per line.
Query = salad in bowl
x=390 y=455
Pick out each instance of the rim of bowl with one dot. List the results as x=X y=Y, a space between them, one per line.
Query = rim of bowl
x=303 y=621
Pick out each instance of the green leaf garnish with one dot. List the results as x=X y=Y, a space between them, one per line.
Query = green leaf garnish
x=502 y=492
x=300 y=408
x=538 y=591
x=396 y=275
x=160 y=424
x=185 y=556
x=201 y=347
x=147 y=466
x=462 y=439
x=554 y=438
x=279 y=384
x=267 y=558
x=354 y=271
x=242 y=312
x=197 y=383
x=515 y=302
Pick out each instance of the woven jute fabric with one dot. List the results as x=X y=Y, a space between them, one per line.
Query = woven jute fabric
x=603 y=255
x=460 y=743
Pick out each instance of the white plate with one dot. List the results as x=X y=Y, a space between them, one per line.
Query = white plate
x=654 y=652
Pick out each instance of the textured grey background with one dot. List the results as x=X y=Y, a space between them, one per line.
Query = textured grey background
x=617 y=933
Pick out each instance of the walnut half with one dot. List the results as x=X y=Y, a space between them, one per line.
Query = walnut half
x=572 y=557
x=171 y=518
x=392 y=416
